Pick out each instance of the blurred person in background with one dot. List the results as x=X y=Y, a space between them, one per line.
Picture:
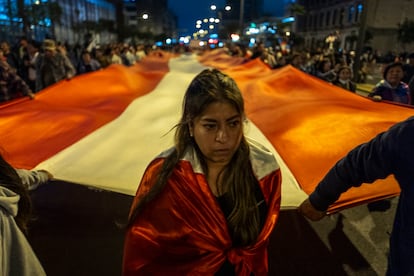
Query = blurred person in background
x=87 y=63
x=325 y=70
x=11 y=57
x=29 y=63
x=344 y=79
x=12 y=86
x=391 y=88
x=52 y=66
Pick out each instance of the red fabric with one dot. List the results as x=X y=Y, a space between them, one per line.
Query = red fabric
x=60 y=115
x=184 y=232
x=311 y=123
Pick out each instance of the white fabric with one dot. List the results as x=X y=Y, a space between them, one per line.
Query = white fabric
x=115 y=156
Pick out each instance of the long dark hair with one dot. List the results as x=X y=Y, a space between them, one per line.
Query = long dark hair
x=208 y=87
x=10 y=180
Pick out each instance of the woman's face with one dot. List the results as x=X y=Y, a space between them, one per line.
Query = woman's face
x=394 y=75
x=218 y=132
x=327 y=66
x=345 y=74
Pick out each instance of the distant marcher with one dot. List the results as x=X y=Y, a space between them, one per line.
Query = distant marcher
x=344 y=79
x=140 y=53
x=52 y=66
x=11 y=57
x=115 y=55
x=258 y=51
x=391 y=88
x=325 y=70
x=29 y=64
x=87 y=63
x=281 y=61
x=127 y=55
x=297 y=62
x=12 y=86
x=102 y=57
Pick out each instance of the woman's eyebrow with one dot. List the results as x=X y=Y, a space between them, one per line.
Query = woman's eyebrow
x=214 y=120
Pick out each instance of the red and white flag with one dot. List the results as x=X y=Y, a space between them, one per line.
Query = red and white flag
x=103 y=128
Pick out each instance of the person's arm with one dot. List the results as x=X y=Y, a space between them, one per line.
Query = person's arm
x=366 y=163
x=32 y=179
x=69 y=68
x=25 y=89
x=376 y=93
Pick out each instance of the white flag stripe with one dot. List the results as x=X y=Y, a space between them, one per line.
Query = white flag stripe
x=115 y=156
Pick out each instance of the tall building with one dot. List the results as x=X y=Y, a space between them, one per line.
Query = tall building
x=252 y=10
x=155 y=17
x=70 y=21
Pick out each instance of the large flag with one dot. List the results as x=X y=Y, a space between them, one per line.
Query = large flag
x=103 y=128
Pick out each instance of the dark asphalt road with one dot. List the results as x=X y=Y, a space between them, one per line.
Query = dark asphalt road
x=78 y=231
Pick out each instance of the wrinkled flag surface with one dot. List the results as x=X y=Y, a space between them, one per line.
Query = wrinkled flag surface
x=103 y=128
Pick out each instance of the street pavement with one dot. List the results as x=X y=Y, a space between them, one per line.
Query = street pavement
x=80 y=231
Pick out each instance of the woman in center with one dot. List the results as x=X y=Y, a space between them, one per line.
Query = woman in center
x=208 y=205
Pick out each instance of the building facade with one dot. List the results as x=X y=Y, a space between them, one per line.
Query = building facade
x=66 y=21
x=339 y=23
x=154 y=16
x=251 y=10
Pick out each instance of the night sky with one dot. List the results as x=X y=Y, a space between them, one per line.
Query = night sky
x=188 y=11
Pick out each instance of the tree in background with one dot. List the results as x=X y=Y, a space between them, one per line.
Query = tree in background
x=405 y=34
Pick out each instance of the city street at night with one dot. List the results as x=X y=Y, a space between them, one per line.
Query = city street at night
x=225 y=137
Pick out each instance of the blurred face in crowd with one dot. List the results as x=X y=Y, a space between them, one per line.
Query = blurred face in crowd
x=327 y=66
x=49 y=53
x=344 y=74
x=31 y=48
x=4 y=47
x=86 y=58
x=394 y=75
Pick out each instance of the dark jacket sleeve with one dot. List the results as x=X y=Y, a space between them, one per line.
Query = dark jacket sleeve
x=366 y=163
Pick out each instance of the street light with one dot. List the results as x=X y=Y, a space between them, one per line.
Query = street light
x=145 y=22
x=218 y=14
x=207 y=25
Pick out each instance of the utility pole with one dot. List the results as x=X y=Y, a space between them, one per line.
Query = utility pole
x=241 y=17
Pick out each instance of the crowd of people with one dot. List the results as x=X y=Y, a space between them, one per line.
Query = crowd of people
x=30 y=66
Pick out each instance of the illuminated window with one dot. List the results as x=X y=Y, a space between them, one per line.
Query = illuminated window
x=351 y=12
x=358 y=12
